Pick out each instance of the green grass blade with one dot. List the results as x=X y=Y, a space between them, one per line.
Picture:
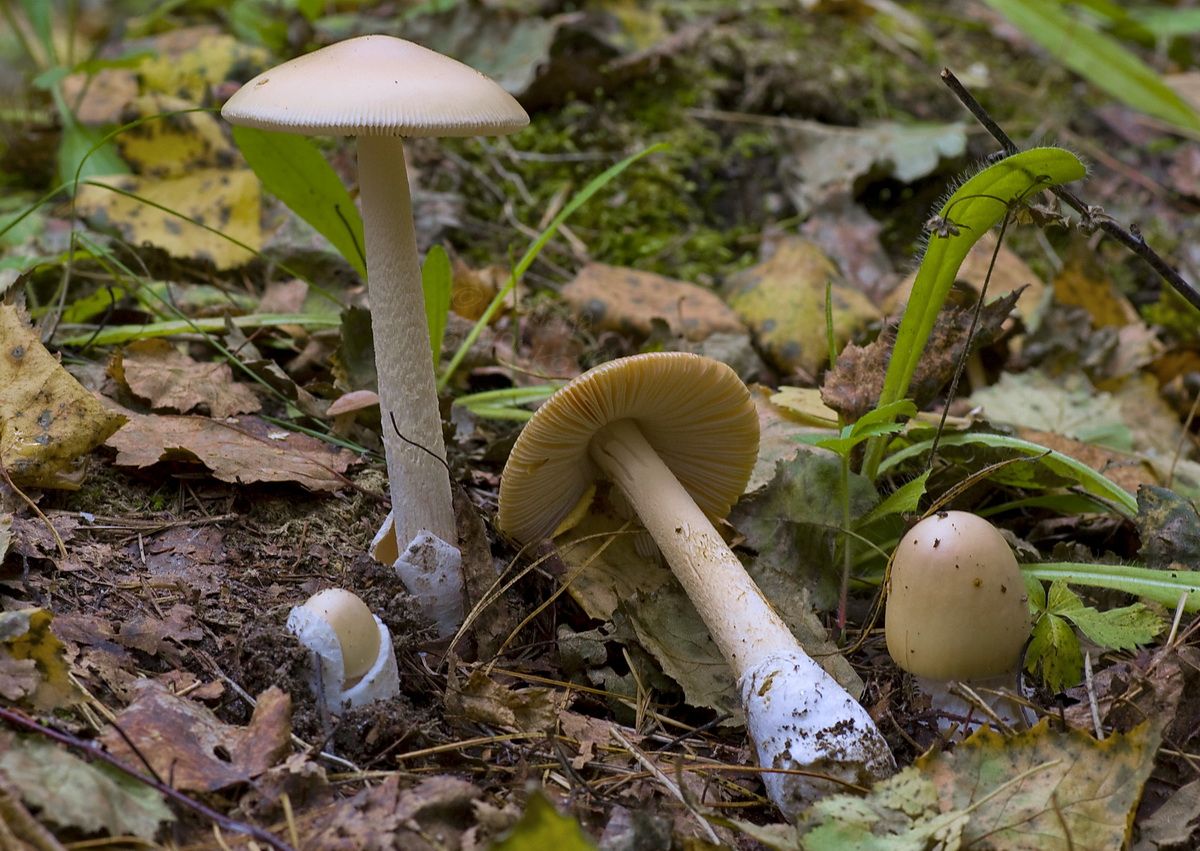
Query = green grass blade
x=437 y=282
x=1099 y=59
x=1162 y=586
x=969 y=213
x=117 y=334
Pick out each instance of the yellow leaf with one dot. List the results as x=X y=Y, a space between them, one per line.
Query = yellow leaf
x=225 y=199
x=193 y=60
x=25 y=635
x=176 y=145
x=47 y=420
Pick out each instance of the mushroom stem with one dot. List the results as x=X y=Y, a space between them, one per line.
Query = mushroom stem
x=742 y=623
x=955 y=712
x=419 y=481
x=797 y=715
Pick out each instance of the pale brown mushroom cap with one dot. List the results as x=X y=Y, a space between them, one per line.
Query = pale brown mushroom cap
x=375 y=85
x=956 y=607
x=694 y=411
x=354 y=625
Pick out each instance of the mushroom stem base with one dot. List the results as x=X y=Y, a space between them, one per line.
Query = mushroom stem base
x=799 y=717
x=959 y=714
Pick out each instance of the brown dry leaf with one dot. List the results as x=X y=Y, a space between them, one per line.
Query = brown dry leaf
x=33 y=667
x=147 y=632
x=854 y=384
x=101 y=98
x=47 y=420
x=227 y=200
x=431 y=816
x=474 y=289
x=1127 y=470
x=627 y=300
x=481 y=699
x=167 y=378
x=185 y=741
x=1082 y=282
x=243 y=450
x=782 y=299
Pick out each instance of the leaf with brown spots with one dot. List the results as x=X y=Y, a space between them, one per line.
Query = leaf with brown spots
x=168 y=378
x=853 y=386
x=33 y=667
x=47 y=420
x=243 y=451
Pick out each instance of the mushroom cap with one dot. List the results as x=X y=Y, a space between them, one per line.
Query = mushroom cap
x=956 y=607
x=354 y=625
x=694 y=411
x=375 y=85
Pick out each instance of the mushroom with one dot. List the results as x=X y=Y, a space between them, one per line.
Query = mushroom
x=353 y=648
x=380 y=89
x=957 y=610
x=677 y=434
x=344 y=409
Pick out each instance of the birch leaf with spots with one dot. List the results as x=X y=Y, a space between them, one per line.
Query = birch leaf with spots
x=48 y=422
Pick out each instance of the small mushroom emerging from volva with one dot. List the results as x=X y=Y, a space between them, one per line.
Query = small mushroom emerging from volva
x=957 y=611
x=678 y=435
x=381 y=89
x=355 y=661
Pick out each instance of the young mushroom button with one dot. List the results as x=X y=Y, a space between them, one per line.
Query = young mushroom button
x=678 y=435
x=381 y=89
x=957 y=611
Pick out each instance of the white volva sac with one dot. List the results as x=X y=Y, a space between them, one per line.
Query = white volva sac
x=382 y=89
x=678 y=434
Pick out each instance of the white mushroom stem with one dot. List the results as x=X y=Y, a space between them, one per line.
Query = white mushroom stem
x=956 y=713
x=797 y=715
x=419 y=481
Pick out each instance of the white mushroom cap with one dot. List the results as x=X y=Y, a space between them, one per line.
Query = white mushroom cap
x=695 y=412
x=375 y=85
x=956 y=607
x=354 y=626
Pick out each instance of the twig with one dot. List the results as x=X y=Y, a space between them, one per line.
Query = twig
x=1091 y=695
x=90 y=752
x=1131 y=239
x=667 y=783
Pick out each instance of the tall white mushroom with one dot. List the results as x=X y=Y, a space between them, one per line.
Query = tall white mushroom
x=678 y=435
x=381 y=89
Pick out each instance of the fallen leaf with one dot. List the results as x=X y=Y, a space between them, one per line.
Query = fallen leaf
x=854 y=384
x=47 y=420
x=5 y=533
x=191 y=61
x=1174 y=824
x=158 y=372
x=1122 y=468
x=1169 y=528
x=244 y=450
x=147 y=633
x=782 y=299
x=626 y=300
x=484 y=700
x=71 y=792
x=33 y=668
x=174 y=145
x=543 y=827
x=1066 y=405
x=185 y=741
x=826 y=162
x=1082 y=282
x=780 y=424
x=227 y=200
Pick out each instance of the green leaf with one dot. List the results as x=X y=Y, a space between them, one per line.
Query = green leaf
x=505 y=404
x=1037 y=593
x=1098 y=59
x=437 y=280
x=1062 y=465
x=1121 y=629
x=89 y=796
x=1165 y=587
x=1062 y=599
x=38 y=12
x=973 y=209
x=1054 y=653
x=293 y=170
x=903 y=500
x=542 y=827
x=884 y=414
x=81 y=152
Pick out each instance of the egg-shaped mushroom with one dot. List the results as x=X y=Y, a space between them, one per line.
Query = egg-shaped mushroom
x=957 y=611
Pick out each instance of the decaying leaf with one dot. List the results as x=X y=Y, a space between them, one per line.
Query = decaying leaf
x=172 y=145
x=71 y=792
x=782 y=299
x=157 y=371
x=854 y=384
x=1067 y=405
x=47 y=420
x=1169 y=527
x=185 y=741
x=33 y=669
x=227 y=200
x=242 y=450
x=482 y=699
x=190 y=61
x=783 y=417
x=612 y=298
x=542 y=826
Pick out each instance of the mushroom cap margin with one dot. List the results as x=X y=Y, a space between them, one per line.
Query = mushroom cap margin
x=694 y=411
x=375 y=85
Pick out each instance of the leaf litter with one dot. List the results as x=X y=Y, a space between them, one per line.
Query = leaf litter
x=200 y=522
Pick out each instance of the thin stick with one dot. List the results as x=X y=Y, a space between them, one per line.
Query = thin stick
x=1094 y=216
x=667 y=783
x=90 y=752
